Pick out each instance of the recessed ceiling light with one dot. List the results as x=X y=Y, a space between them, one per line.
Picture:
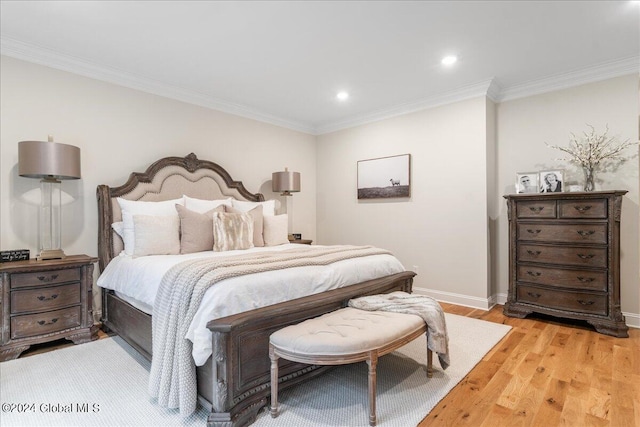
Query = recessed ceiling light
x=342 y=96
x=449 y=60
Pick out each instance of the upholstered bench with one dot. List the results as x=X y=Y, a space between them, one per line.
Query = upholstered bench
x=344 y=336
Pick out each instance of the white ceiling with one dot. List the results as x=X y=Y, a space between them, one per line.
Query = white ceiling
x=284 y=62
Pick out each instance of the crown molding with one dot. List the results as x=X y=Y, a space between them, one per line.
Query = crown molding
x=603 y=71
x=50 y=58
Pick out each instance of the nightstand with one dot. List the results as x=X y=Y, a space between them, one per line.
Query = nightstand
x=44 y=301
x=301 y=241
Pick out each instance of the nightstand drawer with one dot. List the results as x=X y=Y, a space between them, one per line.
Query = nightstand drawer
x=536 y=209
x=563 y=300
x=563 y=278
x=43 y=323
x=52 y=277
x=570 y=233
x=595 y=208
x=569 y=255
x=45 y=298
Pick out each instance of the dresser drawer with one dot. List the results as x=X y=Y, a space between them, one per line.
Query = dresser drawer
x=44 y=323
x=563 y=255
x=563 y=278
x=45 y=298
x=563 y=300
x=593 y=208
x=570 y=233
x=536 y=209
x=53 y=277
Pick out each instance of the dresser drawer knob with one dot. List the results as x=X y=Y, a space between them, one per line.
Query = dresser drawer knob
x=48 y=278
x=534 y=273
x=582 y=209
x=586 y=279
x=43 y=322
x=584 y=233
x=533 y=231
x=583 y=302
x=585 y=256
x=536 y=209
x=530 y=252
x=532 y=295
x=52 y=297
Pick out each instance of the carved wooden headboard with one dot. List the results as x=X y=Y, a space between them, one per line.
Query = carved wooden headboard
x=166 y=179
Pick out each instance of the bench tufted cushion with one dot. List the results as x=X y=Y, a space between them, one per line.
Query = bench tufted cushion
x=345 y=331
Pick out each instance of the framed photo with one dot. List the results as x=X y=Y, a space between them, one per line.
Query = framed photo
x=385 y=177
x=527 y=182
x=551 y=181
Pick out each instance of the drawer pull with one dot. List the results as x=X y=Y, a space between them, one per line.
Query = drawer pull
x=584 y=233
x=533 y=231
x=582 y=209
x=42 y=322
x=531 y=294
x=534 y=273
x=530 y=252
x=47 y=278
x=586 y=279
x=536 y=209
x=52 y=297
x=587 y=256
x=583 y=302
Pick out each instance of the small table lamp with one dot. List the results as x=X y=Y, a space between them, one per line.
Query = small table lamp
x=51 y=162
x=286 y=183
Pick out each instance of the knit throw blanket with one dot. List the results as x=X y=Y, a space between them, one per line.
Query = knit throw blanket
x=424 y=306
x=172 y=379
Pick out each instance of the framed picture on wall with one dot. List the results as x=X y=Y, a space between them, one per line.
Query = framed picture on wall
x=527 y=182
x=385 y=177
x=551 y=181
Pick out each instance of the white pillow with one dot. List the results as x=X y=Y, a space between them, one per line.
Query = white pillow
x=203 y=206
x=136 y=207
x=156 y=235
x=275 y=230
x=268 y=207
x=118 y=227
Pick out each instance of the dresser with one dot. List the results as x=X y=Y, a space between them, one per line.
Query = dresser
x=564 y=257
x=44 y=301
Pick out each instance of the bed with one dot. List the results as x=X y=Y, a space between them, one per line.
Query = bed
x=234 y=380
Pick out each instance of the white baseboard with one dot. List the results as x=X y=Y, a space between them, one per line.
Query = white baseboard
x=632 y=319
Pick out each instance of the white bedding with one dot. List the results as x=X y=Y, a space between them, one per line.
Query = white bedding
x=139 y=279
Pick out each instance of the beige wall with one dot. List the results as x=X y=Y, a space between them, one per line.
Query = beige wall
x=442 y=228
x=121 y=130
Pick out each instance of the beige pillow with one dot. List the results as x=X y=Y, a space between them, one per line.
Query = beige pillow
x=258 y=223
x=232 y=231
x=275 y=230
x=156 y=235
x=196 y=229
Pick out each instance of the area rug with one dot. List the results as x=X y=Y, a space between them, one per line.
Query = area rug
x=104 y=383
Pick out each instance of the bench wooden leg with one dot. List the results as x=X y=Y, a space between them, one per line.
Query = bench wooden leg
x=274 y=382
x=372 y=362
x=429 y=364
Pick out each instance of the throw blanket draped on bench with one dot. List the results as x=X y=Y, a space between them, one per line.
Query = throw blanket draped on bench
x=172 y=379
x=421 y=305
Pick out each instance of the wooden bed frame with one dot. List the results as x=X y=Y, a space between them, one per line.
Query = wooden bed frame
x=235 y=380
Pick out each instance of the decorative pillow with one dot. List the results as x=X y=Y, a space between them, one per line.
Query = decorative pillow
x=232 y=231
x=156 y=235
x=202 y=206
x=196 y=229
x=135 y=207
x=268 y=207
x=256 y=215
x=275 y=230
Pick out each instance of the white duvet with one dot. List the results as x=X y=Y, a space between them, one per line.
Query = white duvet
x=139 y=279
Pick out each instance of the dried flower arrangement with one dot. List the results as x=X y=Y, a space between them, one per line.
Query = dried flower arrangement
x=594 y=151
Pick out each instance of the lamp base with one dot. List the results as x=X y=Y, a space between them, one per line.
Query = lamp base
x=51 y=254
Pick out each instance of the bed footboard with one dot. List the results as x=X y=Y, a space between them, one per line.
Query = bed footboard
x=240 y=366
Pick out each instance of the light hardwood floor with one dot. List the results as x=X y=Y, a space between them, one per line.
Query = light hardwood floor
x=546 y=373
